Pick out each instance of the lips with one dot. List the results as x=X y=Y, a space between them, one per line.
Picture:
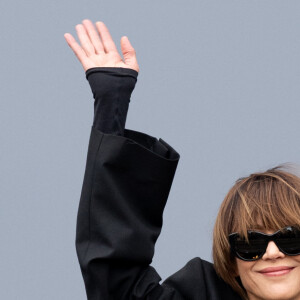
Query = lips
x=276 y=271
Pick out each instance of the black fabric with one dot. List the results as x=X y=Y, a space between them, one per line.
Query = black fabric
x=112 y=88
x=126 y=184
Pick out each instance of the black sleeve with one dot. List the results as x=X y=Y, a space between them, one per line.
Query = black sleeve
x=124 y=192
x=125 y=188
x=112 y=88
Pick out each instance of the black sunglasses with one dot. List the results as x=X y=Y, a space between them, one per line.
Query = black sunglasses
x=287 y=240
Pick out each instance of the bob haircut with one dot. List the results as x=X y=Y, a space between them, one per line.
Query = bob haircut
x=269 y=200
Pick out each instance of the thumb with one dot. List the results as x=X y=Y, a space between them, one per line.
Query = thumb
x=129 y=53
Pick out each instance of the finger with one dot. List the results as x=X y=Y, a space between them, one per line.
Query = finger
x=129 y=52
x=81 y=55
x=94 y=36
x=107 y=41
x=85 y=40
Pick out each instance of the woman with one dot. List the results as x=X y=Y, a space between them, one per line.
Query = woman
x=128 y=176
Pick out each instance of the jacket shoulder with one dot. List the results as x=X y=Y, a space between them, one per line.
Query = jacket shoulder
x=199 y=280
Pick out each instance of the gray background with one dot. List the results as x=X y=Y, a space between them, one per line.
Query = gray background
x=219 y=81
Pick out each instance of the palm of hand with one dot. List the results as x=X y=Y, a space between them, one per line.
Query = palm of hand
x=96 y=52
x=107 y=60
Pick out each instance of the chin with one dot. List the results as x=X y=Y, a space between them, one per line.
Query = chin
x=279 y=296
x=279 y=290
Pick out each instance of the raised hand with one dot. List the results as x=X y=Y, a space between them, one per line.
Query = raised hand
x=100 y=51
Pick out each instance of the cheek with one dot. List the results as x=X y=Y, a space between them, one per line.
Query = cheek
x=244 y=270
x=243 y=267
x=297 y=258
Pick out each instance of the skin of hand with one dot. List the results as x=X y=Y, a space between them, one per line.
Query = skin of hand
x=100 y=51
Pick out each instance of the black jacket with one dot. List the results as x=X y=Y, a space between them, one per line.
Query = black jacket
x=126 y=184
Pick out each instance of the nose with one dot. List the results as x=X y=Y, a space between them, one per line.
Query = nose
x=272 y=252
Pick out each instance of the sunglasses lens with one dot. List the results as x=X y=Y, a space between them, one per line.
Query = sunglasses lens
x=289 y=240
x=251 y=250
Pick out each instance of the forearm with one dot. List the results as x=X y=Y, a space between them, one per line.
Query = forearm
x=126 y=184
x=112 y=89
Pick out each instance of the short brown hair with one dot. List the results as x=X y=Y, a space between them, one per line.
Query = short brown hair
x=271 y=198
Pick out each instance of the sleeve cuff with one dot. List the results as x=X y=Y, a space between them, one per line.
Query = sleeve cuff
x=112 y=70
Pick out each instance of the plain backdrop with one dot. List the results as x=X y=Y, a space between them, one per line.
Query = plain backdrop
x=219 y=81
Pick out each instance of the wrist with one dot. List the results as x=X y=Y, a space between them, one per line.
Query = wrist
x=111 y=81
x=112 y=71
